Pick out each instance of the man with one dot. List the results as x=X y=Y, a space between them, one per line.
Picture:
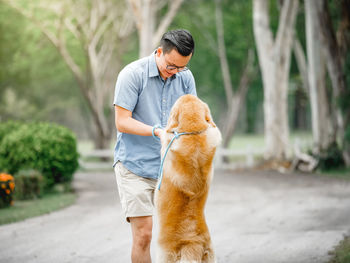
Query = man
x=145 y=92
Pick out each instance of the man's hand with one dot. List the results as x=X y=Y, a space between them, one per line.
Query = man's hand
x=158 y=132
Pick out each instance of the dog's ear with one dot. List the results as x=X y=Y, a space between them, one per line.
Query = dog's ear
x=208 y=117
x=173 y=119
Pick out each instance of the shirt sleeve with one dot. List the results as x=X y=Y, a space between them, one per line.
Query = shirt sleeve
x=127 y=89
x=191 y=84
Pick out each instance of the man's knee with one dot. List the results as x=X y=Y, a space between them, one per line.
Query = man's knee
x=143 y=238
x=142 y=231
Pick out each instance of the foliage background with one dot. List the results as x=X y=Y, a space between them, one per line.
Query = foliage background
x=36 y=84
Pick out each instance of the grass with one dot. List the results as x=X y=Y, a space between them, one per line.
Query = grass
x=238 y=141
x=341 y=253
x=93 y=164
x=343 y=173
x=21 y=210
x=257 y=141
x=88 y=145
x=242 y=141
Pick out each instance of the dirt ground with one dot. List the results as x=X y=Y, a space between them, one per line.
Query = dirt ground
x=252 y=216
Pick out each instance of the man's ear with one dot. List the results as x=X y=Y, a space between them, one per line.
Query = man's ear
x=159 y=51
x=173 y=119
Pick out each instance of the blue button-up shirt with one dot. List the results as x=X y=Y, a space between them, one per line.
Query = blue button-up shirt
x=141 y=90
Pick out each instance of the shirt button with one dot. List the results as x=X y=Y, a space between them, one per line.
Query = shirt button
x=163 y=113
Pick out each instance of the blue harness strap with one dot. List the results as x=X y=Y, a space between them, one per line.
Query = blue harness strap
x=176 y=136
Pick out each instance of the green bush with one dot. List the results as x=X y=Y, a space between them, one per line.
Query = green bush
x=331 y=158
x=48 y=148
x=29 y=184
x=8 y=127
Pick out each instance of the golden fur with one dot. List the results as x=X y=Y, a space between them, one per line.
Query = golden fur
x=183 y=232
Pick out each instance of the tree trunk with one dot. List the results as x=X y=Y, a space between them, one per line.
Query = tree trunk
x=238 y=100
x=274 y=60
x=235 y=100
x=146 y=31
x=145 y=16
x=322 y=126
x=302 y=64
x=226 y=76
x=334 y=55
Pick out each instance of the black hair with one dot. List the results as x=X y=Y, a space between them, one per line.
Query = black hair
x=180 y=39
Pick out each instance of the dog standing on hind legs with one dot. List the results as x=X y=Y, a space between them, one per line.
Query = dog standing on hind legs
x=183 y=189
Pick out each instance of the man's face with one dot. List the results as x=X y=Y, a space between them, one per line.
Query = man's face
x=170 y=63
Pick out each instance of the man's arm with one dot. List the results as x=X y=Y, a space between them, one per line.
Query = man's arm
x=126 y=124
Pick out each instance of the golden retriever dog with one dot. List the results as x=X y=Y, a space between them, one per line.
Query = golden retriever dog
x=187 y=174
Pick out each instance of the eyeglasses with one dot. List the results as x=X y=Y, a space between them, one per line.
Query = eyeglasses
x=173 y=67
x=170 y=67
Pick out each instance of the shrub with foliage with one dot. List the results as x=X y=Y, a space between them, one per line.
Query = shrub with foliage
x=331 y=158
x=8 y=127
x=29 y=184
x=7 y=186
x=46 y=147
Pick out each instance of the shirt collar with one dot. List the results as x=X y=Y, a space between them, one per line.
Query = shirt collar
x=153 y=69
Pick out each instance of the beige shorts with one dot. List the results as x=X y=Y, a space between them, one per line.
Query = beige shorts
x=136 y=193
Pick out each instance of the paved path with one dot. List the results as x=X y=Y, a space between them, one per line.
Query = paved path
x=253 y=218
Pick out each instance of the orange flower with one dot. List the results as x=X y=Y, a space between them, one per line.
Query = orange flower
x=12 y=185
x=5 y=177
x=3 y=186
x=7 y=191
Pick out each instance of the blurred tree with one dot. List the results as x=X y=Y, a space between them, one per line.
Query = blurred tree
x=274 y=59
x=301 y=62
x=208 y=62
x=13 y=107
x=32 y=75
x=145 y=16
x=100 y=30
x=336 y=47
x=198 y=17
x=236 y=100
x=9 y=43
x=299 y=80
x=322 y=126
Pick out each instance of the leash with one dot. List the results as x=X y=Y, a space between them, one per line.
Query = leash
x=176 y=136
x=160 y=174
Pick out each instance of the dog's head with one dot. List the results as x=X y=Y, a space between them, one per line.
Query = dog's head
x=189 y=114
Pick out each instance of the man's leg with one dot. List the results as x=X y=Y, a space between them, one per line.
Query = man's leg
x=142 y=235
